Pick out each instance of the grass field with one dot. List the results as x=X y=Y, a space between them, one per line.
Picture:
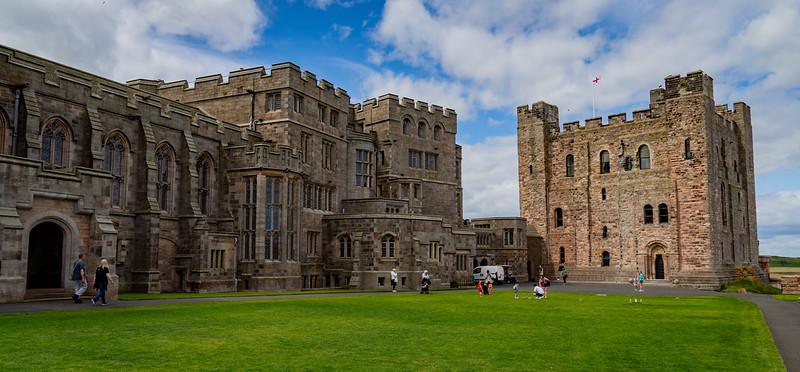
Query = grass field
x=776 y=261
x=775 y=273
x=442 y=331
x=787 y=297
x=170 y=296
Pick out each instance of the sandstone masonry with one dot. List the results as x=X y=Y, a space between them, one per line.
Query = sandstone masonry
x=669 y=191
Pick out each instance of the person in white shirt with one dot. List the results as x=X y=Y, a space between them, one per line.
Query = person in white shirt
x=539 y=292
x=394 y=280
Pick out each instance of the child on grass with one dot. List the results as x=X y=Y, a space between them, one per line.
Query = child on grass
x=516 y=291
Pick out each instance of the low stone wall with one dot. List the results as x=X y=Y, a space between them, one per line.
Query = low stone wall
x=790 y=284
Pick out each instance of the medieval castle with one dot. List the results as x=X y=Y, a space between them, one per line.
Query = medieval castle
x=273 y=180
x=669 y=192
x=269 y=180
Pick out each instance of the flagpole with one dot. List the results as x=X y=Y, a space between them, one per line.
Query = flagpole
x=593 y=93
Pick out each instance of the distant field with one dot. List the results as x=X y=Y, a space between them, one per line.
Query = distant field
x=450 y=331
x=775 y=261
x=775 y=273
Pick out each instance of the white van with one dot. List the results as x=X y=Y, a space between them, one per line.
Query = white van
x=497 y=273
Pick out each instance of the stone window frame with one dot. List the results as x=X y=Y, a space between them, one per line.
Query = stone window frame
x=166 y=166
x=273 y=210
x=312 y=243
x=322 y=112
x=334 y=121
x=422 y=128
x=364 y=168
x=205 y=187
x=297 y=103
x=648 y=214
x=605 y=232
x=508 y=237
x=345 y=245
x=328 y=148
x=605 y=162
x=559 y=217
x=117 y=166
x=570 y=165
x=273 y=101
x=438 y=129
x=407 y=125
x=605 y=259
x=388 y=245
x=249 y=216
x=562 y=255
x=663 y=213
x=644 y=157
x=56 y=137
x=603 y=194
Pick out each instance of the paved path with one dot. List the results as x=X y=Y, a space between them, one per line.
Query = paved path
x=783 y=317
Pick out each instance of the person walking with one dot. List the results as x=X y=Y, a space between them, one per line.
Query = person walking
x=101 y=279
x=516 y=291
x=544 y=282
x=489 y=283
x=79 y=277
x=563 y=272
x=480 y=287
x=394 y=280
x=641 y=281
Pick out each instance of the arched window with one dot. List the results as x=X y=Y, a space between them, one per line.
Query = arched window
x=559 y=217
x=663 y=213
x=115 y=162
x=407 y=126
x=204 y=182
x=164 y=169
x=606 y=259
x=605 y=162
x=437 y=132
x=387 y=246
x=644 y=157
x=603 y=193
x=687 y=149
x=345 y=246
x=570 y=165
x=605 y=232
x=55 y=143
x=421 y=129
x=562 y=255
x=648 y=214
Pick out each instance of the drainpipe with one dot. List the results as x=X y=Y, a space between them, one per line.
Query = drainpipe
x=17 y=91
x=252 y=109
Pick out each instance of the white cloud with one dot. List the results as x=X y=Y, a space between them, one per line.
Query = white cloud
x=778 y=226
x=780 y=245
x=131 y=39
x=489 y=178
x=342 y=31
x=324 y=4
x=509 y=53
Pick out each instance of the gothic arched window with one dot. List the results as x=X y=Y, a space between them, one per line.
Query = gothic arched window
x=164 y=172
x=437 y=132
x=407 y=126
x=204 y=182
x=345 y=246
x=55 y=143
x=421 y=129
x=663 y=213
x=606 y=259
x=115 y=163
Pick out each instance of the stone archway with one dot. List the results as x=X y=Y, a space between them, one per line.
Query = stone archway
x=657 y=260
x=45 y=256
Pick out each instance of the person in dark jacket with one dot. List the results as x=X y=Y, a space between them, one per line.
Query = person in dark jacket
x=101 y=279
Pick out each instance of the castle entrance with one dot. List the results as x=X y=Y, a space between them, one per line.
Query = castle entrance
x=659 y=266
x=657 y=258
x=45 y=255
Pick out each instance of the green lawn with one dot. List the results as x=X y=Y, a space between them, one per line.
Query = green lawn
x=170 y=296
x=442 y=331
x=787 y=297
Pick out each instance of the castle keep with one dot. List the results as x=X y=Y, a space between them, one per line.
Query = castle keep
x=269 y=180
x=669 y=191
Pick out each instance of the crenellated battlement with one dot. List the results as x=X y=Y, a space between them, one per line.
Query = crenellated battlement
x=137 y=94
x=280 y=75
x=393 y=99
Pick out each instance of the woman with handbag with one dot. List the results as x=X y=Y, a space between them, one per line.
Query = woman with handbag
x=101 y=279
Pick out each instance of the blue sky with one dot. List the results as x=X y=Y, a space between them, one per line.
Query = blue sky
x=482 y=58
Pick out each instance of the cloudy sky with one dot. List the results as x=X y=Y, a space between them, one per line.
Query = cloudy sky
x=481 y=58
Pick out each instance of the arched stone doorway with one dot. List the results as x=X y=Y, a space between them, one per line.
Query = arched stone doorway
x=484 y=262
x=657 y=259
x=45 y=256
